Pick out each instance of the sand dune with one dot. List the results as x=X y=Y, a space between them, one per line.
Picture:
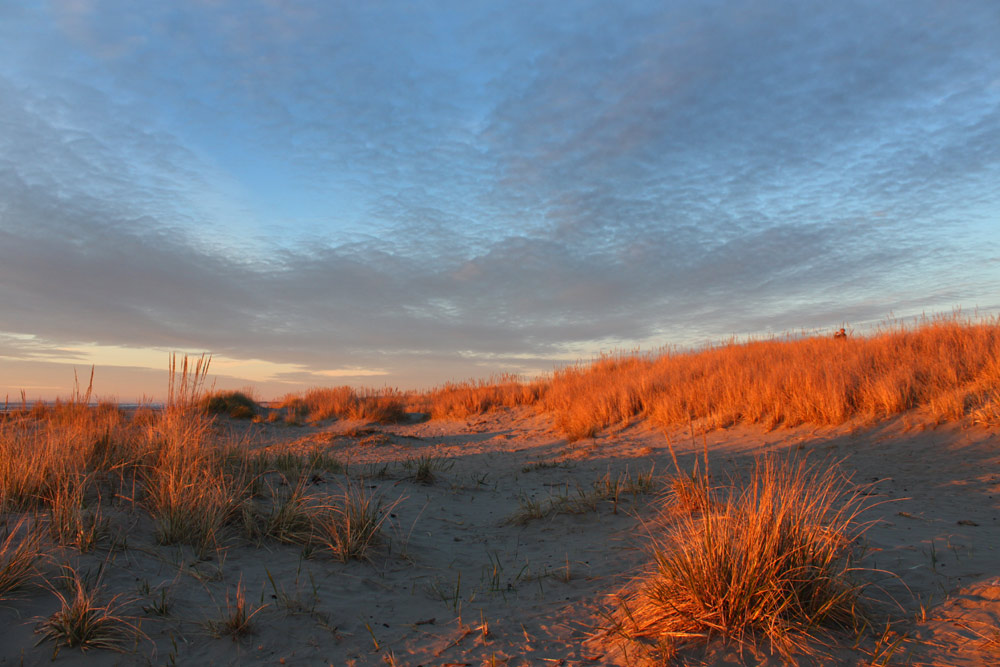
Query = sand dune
x=464 y=576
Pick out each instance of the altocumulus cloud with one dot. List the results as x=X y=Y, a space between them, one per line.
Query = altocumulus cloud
x=442 y=187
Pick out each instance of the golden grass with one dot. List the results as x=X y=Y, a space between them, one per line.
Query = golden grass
x=189 y=489
x=384 y=406
x=77 y=457
x=461 y=399
x=775 y=561
x=770 y=561
x=948 y=367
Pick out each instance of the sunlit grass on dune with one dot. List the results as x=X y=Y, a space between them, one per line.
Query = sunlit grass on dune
x=947 y=367
x=773 y=561
x=384 y=406
x=68 y=464
x=460 y=399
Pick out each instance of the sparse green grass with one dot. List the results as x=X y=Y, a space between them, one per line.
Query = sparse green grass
x=774 y=561
x=160 y=605
x=345 y=524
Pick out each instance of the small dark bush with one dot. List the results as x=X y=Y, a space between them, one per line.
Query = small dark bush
x=241 y=412
x=236 y=404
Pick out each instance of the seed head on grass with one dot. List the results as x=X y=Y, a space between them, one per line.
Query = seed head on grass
x=772 y=562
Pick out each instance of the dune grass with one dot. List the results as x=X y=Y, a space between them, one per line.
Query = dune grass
x=21 y=549
x=236 y=404
x=775 y=561
x=771 y=561
x=237 y=620
x=84 y=620
x=383 y=406
x=461 y=399
x=947 y=367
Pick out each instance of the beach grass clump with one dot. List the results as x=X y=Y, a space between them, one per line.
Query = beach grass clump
x=290 y=517
x=350 y=523
x=190 y=491
x=346 y=525
x=775 y=561
x=21 y=549
x=425 y=469
x=382 y=406
x=236 y=620
x=71 y=521
x=83 y=620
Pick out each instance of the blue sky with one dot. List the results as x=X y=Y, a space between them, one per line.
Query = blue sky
x=406 y=193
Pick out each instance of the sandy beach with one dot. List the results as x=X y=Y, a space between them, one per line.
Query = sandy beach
x=504 y=554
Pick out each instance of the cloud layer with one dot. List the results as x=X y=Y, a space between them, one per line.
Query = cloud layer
x=437 y=191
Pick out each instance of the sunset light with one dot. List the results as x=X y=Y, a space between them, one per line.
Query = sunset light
x=564 y=332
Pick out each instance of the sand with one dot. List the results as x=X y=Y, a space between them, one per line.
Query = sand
x=455 y=582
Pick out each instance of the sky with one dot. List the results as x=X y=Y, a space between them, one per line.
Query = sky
x=407 y=193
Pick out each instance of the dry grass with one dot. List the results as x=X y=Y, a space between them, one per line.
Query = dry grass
x=77 y=458
x=20 y=550
x=774 y=561
x=236 y=404
x=346 y=525
x=83 y=620
x=350 y=524
x=383 y=406
x=189 y=491
x=462 y=399
x=237 y=619
x=71 y=522
x=948 y=367
x=290 y=518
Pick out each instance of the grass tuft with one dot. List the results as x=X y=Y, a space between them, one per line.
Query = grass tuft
x=237 y=620
x=351 y=525
x=20 y=549
x=383 y=406
x=236 y=404
x=83 y=621
x=774 y=561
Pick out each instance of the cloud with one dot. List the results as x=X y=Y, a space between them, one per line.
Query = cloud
x=379 y=188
